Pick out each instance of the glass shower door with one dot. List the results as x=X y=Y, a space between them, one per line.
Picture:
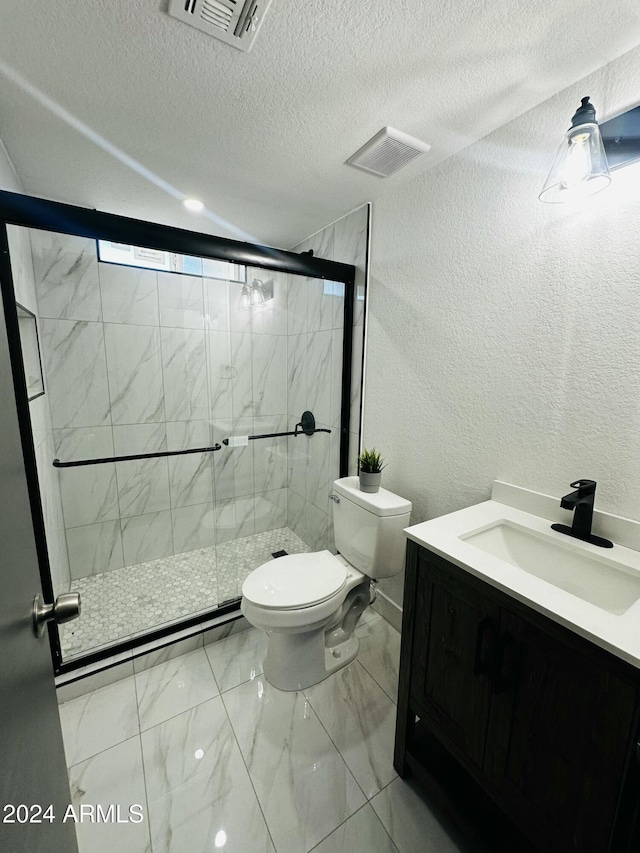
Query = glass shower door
x=143 y=366
x=273 y=488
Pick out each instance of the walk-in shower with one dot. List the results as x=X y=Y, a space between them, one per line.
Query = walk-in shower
x=195 y=411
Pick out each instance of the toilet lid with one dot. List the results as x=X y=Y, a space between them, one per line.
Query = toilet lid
x=297 y=580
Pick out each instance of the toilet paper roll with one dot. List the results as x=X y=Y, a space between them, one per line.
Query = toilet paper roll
x=238 y=440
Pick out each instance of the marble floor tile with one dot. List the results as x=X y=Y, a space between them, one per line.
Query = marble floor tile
x=252 y=769
x=203 y=816
x=360 y=719
x=367 y=616
x=303 y=786
x=238 y=659
x=380 y=654
x=112 y=778
x=200 y=794
x=163 y=654
x=98 y=720
x=362 y=833
x=413 y=825
x=172 y=687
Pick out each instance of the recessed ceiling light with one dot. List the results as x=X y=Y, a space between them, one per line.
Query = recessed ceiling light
x=193 y=204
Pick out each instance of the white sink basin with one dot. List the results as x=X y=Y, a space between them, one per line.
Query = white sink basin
x=609 y=585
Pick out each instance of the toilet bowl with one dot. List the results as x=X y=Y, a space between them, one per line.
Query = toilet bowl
x=310 y=604
x=295 y=599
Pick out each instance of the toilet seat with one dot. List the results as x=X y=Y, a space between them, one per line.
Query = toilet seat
x=296 y=581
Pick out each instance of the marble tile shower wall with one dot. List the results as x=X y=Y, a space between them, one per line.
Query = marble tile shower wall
x=315 y=330
x=139 y=361
x=20 y=252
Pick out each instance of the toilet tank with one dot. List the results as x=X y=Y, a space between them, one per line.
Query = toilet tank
x=369 y=528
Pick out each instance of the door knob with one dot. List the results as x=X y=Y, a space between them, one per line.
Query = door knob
x=66 y=608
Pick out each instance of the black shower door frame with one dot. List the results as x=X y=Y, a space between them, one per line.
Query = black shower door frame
x=31 y=212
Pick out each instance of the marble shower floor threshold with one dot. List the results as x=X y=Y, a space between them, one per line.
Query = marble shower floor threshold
x=125 y=603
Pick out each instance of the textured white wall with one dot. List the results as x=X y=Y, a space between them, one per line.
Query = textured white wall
x=8 y=178
x=504 y=334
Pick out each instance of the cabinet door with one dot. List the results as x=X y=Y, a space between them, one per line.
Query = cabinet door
x=558 y=738
x=454 y=640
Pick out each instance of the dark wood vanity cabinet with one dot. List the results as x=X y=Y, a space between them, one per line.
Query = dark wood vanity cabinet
x=542 y=722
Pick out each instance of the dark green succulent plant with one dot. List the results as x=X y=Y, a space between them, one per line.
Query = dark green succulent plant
x=371 y=462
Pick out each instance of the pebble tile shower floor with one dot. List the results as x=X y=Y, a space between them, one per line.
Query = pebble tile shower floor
x=123 y=603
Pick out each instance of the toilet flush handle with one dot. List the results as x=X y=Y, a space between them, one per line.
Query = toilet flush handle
x=334 y=498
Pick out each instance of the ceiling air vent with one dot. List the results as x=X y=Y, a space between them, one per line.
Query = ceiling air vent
x=232 y=21
x=388 y=151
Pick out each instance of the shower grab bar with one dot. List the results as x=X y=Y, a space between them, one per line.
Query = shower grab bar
x=58 y=464
x=307 y=427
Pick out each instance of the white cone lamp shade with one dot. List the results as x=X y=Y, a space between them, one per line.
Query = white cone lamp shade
x=580 y=168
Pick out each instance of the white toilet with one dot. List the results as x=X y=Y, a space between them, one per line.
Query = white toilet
x=309 y=604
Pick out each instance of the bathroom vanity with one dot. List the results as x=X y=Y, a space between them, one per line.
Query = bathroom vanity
x=513 y=707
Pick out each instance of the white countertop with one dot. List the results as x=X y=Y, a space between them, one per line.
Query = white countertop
x=618 y=634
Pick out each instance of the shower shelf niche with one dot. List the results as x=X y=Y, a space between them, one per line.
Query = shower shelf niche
x=30 y=345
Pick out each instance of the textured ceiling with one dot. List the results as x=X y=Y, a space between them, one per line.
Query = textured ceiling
x=112 y=104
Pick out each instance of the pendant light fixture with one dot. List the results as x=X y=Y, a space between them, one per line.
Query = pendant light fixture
x=580 y=168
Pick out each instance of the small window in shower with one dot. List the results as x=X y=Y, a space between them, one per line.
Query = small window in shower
x=334 y=288
x=156 y=259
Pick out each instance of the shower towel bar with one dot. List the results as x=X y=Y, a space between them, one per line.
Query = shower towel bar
x=58 y=464
x=278 y=434
x=307 y=427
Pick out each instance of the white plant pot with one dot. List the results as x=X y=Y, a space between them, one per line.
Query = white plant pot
x=369 y=482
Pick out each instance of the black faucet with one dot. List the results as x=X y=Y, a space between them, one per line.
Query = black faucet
x=582 y=502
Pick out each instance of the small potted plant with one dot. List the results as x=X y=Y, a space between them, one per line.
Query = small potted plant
x=370 y=473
